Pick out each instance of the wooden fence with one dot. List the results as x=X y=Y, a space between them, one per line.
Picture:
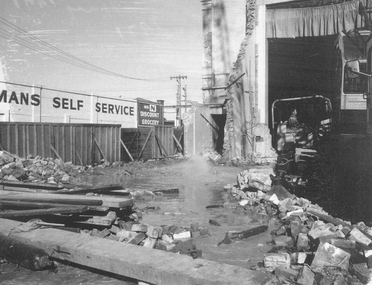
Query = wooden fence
x=86 y=144
x=151 y=142
x=82 y=144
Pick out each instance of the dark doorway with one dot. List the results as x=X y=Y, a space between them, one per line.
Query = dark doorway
x=218 y=134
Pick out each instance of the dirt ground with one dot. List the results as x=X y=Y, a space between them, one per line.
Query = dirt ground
x=200 y=183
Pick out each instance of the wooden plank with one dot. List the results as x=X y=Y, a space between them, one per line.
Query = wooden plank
x=177 y=142
x=133 y=139
x=78 y=155
x=127 y=151
x=100 y=150
x=98 y=189
x=108 y=201
x=21 y=184
x=30 y=204
x=49 y=199
x=134 y=261
x=39 y=212
x=161 y=147
x=145 y=144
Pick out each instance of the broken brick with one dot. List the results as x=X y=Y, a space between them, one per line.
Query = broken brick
x=154 y=232
x=362 y=272
x=358 y=236
x=329 y=255
x=287 y=273
x=306 y=276
x=137 y=238
x=273 y=260
x=302 y=242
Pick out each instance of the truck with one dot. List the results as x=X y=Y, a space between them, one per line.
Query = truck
x=341 y=108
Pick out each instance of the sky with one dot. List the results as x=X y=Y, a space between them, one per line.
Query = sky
x=115 y=48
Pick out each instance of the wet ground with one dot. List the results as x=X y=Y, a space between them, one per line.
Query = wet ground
x=339 y=180
x=201 y=184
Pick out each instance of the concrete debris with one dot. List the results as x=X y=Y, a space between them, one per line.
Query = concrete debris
x=309 y=246
x=37 y=169
x=169 y=238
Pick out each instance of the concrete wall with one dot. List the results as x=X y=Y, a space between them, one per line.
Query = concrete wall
x=223 y=30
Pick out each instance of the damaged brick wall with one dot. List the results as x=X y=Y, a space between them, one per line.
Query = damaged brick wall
x=234 y=134
x=245 y=136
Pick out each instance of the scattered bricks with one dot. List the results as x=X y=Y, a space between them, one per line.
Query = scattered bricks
x=282 y=240
x=139 y=228
x=362 y=272
x=273 y=260
x=282 y=230
x=329 y=255
x=286 y=205
x=167 y=238
x=295 y=228
x=306 y=276
x=302 y=242
x=114 y=229
x=163 y=245
x=298 y=212
x=323 y=279
x=149 y=242
x=274 y=199
x=304 y=229
x=103 y=233
x=367 y=252
x=125 y=225
x=154 y=232
x=184 y=247
x=124 y=235
x=361 y=226
x=301 y=257
x=340 y=280
x=321 y=231
x=137 y=238
x=346 y=230
x=183 y=235
x=287 y=273
x=369 y=261
x=343 y=243
x=358 y=236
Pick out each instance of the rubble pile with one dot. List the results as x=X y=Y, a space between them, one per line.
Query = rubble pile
x=308 y=245
x=131 y=230
x=38 y=169
x=173 y=238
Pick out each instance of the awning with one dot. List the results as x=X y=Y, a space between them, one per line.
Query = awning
x=313 y=21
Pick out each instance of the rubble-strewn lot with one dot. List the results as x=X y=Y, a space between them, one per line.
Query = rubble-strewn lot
x=293 y=240
x=309 y=246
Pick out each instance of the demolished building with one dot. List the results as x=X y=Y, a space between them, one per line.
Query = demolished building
x=237 y=95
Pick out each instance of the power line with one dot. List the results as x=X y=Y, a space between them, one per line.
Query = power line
x=49 y=50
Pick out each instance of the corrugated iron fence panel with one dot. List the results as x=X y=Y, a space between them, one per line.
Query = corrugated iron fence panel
x=80 y=144
x=149 y=142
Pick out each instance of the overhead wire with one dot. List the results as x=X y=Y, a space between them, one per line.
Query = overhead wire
x=55 y=52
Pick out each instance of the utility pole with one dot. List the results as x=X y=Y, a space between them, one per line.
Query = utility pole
x=178 y=96
x=185 y=96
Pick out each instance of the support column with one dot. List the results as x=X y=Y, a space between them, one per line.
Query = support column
x=262 y=65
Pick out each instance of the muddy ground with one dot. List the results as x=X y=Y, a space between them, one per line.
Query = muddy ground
x=201 y=184
x=339 y=180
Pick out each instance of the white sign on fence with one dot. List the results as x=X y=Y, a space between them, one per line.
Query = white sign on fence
x=26 y=104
